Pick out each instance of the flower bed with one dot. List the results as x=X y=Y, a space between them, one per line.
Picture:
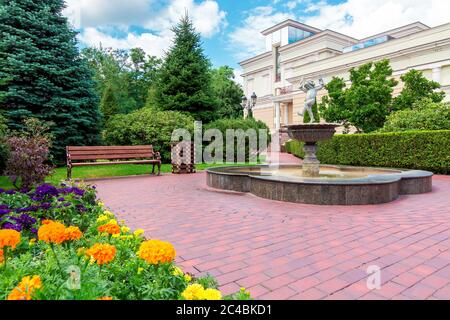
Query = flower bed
x=60 y=243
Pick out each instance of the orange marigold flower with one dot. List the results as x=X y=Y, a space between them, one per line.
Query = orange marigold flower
x=101 y=253
x=105 y=298
x=53 y=232
x=73 y=233
x=9 y=238
x=109 y=228
x=47 y=221
x=26 y=288
x=2 y=258
x=156 y=251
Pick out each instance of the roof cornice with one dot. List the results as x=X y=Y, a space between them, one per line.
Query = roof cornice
x=290 y=23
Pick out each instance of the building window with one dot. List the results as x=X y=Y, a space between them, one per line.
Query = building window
x=277 y=65
x=367 y=44
x=295 y=34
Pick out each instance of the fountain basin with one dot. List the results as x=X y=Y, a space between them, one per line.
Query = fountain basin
x=335 y=185
x=312 y=132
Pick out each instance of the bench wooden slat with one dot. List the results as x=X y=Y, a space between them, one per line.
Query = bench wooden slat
x=111 y=156
x=108 y=148
x=133 y=155
x=80 y=164
x=94 y=152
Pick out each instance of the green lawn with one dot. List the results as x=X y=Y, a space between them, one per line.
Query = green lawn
x=91 y=172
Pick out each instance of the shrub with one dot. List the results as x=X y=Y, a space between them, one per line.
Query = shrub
x=55 y=251
x=146 y=126
x=416 y=88
x=426 y=150
x=236 y=124
x=425 y=115
x=3 y=147
x=28 y=157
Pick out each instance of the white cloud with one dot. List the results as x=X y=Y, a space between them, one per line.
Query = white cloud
x=357 y=18
x=94 y=17
x=247 y=40
x=152 y=44
x=363 y=18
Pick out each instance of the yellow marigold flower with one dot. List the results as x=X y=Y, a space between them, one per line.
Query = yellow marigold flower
x=2 y=257
x=102 y=218
x=108 y=213
x=140 y=270
x=9 y=238
x=101 y=253
x=156 y=251
x=105 y=298
x=177 y=272
x=193 y=292
x=187 y=278
x=117 y=235
x=101 y=204
x=211 y=294
x=112 y=221
x=32 y=242
x=126 y=237
x=125 y=229
x=73 y=233
x=25 y=289
x=53 y=232
x=109 y=228
x=138 y=232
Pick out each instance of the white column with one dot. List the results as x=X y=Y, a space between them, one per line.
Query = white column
x=277 y=116
x=437 y=74
x=286 y=114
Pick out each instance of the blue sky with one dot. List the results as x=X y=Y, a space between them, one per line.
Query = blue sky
x=231 y=29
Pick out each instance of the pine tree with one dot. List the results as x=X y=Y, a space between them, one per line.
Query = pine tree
x=46 y=78
x=184 y=82
x=109 y=105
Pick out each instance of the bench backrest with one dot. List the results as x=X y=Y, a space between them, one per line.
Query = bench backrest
x=110 y=153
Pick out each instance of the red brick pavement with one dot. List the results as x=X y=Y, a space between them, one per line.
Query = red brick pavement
x=293 y=251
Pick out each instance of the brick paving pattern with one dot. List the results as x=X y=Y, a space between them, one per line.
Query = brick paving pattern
x=283 y=250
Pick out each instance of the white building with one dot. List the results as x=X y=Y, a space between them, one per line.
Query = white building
x=295 y=51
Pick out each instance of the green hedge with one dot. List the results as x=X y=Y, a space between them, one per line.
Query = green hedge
x=426 y=150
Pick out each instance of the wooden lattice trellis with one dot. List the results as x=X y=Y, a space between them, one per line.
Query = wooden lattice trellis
x=183 y=157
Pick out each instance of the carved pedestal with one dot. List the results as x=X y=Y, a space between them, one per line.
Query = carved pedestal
x=311 y=165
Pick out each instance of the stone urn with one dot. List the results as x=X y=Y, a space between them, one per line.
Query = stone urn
x=310 y=134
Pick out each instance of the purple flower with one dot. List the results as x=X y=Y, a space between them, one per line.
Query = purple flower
x=4 y=207
x=12 y=226
x=4 y=211
x=10 y=192
x=74 y=190
x=27 y=209
x=44 y=191
x=34 y=230
x=61 y=199
x=46 y=206
x=2 y=190
x=67 y=204
x=81 y=208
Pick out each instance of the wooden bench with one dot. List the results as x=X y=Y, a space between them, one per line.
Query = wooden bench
x=116 y=155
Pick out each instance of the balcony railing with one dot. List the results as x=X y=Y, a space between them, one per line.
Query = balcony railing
x=285 y=90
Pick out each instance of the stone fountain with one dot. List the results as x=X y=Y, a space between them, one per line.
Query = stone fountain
x=314 y=183
x=310 y=134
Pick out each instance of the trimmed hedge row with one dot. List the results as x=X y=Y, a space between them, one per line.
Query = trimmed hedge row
x=425 y=150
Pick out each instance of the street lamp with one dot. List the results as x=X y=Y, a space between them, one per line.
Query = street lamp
x=248 y=105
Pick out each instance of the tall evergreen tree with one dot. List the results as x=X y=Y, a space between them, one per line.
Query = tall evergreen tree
x=47 y=79
x=184 y=82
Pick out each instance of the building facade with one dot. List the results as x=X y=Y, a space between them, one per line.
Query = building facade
x=296 y=52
